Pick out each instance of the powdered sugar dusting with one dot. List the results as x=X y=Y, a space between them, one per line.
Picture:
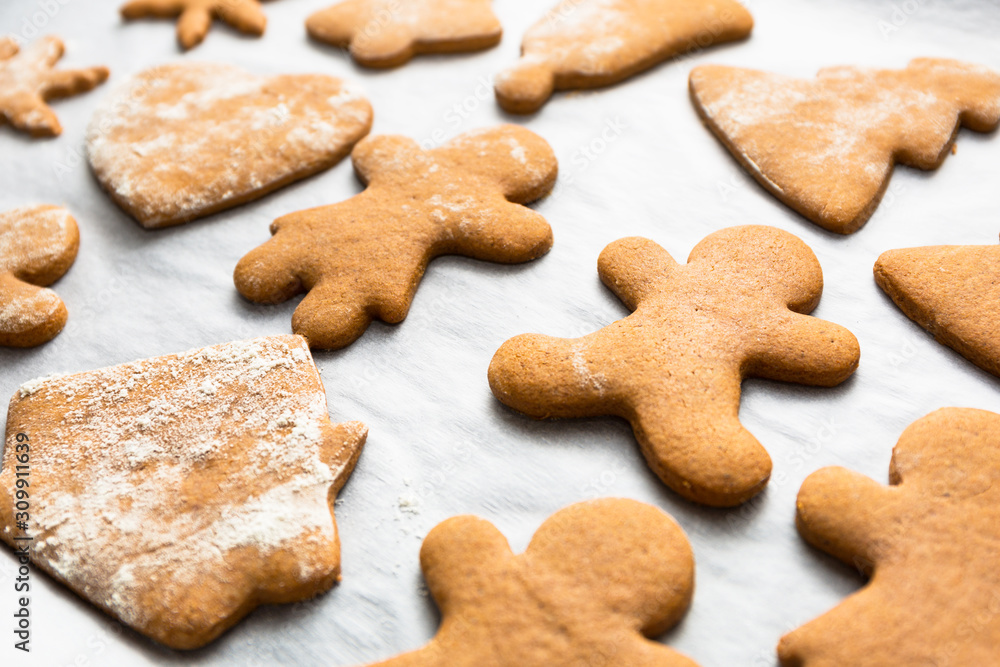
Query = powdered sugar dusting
x=154 y=472
x=33 y=236
x=830 y=142
x=179 y=141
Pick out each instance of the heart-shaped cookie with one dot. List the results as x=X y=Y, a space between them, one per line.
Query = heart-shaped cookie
x=179 y=142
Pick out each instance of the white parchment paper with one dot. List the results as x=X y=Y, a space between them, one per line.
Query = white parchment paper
x=634 y=160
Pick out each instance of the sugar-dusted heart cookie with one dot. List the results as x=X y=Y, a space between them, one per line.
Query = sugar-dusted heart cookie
x=930 y=542
x=593 y=43
x=596 y=578
x=674 y=367
x=953 y=292
x=179 y=493
x=826 y=146
x=28 y=79
x=387 y=33
x=38 y=244
x=194 y=17
x=179 y=142
x=363 y=258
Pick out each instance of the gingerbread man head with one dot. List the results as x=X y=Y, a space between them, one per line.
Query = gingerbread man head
x=596 y=578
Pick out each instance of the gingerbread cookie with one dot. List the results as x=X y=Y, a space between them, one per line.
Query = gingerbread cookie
x=180 y=142
x=673 y=367
x=194 y=17
x=953 y=292
x=387 y=33
x=179 y=493
x=593 y=43
x=596 y=577
x=38 y=244
x=363 y=258
x=28 y=79
x=826 y=147
x=929 y=541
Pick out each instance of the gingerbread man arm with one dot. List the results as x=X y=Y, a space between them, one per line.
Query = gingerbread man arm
x=497 y=231
x=846 y=515
x=807 y=350
x=633 y=268
x=544 y=376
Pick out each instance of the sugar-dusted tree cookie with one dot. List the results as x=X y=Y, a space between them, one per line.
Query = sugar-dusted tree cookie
x=930 y=542
x=593 y=43
x=673 y=367
x=387 y=33
x=596 y=577
x=194 y=17
x=363 y=258
x=179 y=493
x=28 y=79
x=38 y=244
x=180 y=142
x=826 y=147
x=953 y=292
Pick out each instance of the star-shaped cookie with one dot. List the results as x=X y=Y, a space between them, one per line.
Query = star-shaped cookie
x=194 y=17
x=28 y=79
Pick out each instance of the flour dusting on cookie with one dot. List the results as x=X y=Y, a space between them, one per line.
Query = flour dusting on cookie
x=179 y=142
x=179 y=492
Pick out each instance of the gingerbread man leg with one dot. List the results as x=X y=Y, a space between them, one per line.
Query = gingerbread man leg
x=700 y=451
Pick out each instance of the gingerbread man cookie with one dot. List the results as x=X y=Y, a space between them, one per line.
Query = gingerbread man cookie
x=194 y=17
x=38 y=244
x=387 y=33
x=953 y=292
x=179 y=142
x=593 y=43
x=28 y=79
x=826 y=147
x=363 y=258
x=930 y=542
x=673 y=367
x=596 y=577
x=179 y=493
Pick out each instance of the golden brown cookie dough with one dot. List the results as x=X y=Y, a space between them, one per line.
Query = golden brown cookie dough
x=596 y=578
x=178 y=493
x=593 y=43
x=674 y=367
x=387 y=33
x=194 y=17
x=363 y=258
x=38 y=244
x=953 y=292
x=929 y=542
x=180 y=142
x=826 y=147
x=28 y=79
